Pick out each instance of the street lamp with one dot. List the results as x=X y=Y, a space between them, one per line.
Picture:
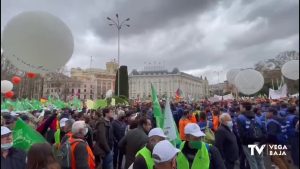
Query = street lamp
x=218 y=72
x=118 y=25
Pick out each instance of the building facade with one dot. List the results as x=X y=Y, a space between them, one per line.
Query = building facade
x=166 y=84
x=84 y=83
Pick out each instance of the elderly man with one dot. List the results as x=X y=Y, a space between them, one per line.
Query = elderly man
x=226 y=142
x=81 y=151
x=164 y=155
x=11 y=158
x=143 y=158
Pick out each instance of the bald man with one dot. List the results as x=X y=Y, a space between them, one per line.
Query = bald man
x=226 y=142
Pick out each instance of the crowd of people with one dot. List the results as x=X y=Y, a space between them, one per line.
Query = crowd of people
x=213 y=136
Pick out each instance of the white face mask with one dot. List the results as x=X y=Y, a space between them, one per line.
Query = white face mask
x=6 y=146
x=229 y=124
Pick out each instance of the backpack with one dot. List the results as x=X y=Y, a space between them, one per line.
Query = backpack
x=282 y=136
x=252 y=128
x=64 y=153
x=209 y=135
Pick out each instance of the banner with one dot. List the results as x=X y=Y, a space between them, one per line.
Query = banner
x=277 y=94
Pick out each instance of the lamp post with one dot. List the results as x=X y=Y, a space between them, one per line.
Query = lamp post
x=118 y=25
x=218 y=72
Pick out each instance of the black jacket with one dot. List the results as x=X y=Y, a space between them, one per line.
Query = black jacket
x=118 y=130
x=16 y=159
x=226 y=142
x=103 y=138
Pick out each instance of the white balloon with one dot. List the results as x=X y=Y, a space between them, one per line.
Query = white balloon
x=231 y=74
x=37 y=42
x=290 y=70
x=6 y=86
x=109 y=93
x=249 y=81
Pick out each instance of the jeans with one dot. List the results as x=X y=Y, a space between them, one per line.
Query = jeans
x=118 y=156
x=108 y=161
x=255 y=161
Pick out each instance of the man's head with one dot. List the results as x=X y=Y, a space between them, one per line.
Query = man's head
x=271 y=113
x=9 y=121
x=226 y=120
x=145 y=123
x=164 y=155
x=6 y=138
x=192 y=132
x=68 y=125
x=107 y=113
x=79 y=129
x=155 y=135
x=246 y=106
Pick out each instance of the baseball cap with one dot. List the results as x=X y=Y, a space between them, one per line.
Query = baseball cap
x=157 y=132
x=164 y=151
x=5 y=130
x=62 y=122
x=193 y=129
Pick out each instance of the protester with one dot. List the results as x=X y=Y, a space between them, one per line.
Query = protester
x=40 y=156
x=275 y=136
x=185 y=119
x=250 y=132
x=164 y=155
x=226 y=142
x=197 y=154
x=82 y=156
x=135 y=140
x=104 y=140
x=11 y=158
x=143 y=158
x=118 y=127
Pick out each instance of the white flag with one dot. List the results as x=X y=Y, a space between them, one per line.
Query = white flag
x=169 y=123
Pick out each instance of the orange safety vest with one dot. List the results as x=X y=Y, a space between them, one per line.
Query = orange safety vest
x=91 y=157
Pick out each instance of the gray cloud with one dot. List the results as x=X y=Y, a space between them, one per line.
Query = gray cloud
x=197 y=36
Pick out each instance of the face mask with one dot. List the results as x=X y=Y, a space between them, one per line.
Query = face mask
x=230 y=124
x=195 y=144
x=6 y=146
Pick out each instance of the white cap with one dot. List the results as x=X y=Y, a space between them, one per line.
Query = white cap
x=157 y=132
x=62 y=122
x=193 y=129
x=5 y=130
x=13 y=114
x=164 y=151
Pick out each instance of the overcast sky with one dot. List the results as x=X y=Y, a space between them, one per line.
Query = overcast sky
x=201 y=37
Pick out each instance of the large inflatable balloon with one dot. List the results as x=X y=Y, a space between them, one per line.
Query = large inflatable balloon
x=249 y=81
x=290 y=70
x=231 y=74
x=6 y=86
x=37 y=42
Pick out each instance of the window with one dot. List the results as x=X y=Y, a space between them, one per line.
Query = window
x=78 y=90
x=84 y=96
x=91 y=97
x=84 y=90
x=72 y=90
x=51 y=90
x=91 y=91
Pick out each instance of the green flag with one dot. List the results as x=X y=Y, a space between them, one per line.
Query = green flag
x=24 y=136
x=100 y=104
x=156 y=108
